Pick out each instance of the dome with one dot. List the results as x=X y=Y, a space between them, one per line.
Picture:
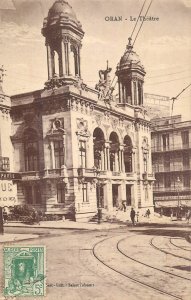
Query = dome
x=61 y=9
x=129 y=57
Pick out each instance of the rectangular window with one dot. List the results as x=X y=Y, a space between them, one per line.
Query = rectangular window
x=61 y=193
x=167 y=162
x=165 y=140
x=59 y=154
x=31 y=156
x=186 y=180
x=85 y=192
x=167 y=181
x=4 y=164
x=186 y=161
x=82 y=154
x=185 y=138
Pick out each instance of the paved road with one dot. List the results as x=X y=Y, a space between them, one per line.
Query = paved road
x=73 y=272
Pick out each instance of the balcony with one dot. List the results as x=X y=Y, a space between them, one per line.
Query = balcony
x=148 y=176
x=36 y=175
x=172 y=168
x=172 y=189
x=30 y=175
x=85 y=172
x=171 y=147
x=51 y=173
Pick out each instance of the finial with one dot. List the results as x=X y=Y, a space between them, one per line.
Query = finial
x=2 y=73
x=129 y=46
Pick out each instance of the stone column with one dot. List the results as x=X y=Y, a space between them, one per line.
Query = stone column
x=137 y=94
x=132 y=94
x=134 y=157
x=49 y=61
x=119 y=87
x=62 y=59
x=52 y=154
x=68 y=56
x=106 y=156
x=122 y=167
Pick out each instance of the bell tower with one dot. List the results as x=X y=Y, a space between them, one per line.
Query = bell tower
x=63 y=34
x=130 y=73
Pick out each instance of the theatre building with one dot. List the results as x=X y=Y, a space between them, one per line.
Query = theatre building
x=77 y=147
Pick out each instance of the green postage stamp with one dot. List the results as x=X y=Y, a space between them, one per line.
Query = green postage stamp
x=24 y=270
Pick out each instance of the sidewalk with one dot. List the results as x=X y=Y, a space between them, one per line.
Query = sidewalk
x=68 y=225
x=5 y=238
x=119 y=220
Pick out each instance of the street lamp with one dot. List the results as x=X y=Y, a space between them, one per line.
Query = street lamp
x=178 y=190
x=1 y=221
x=99 y=208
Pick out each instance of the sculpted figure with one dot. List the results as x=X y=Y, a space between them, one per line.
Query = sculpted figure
x=103 y=87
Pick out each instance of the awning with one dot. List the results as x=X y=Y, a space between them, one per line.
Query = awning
x=172 y=203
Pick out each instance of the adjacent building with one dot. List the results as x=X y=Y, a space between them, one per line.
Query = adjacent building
x=171 y=160
x=75 y=147
x=8 y=187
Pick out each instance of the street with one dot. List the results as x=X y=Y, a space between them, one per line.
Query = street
x=124 y=263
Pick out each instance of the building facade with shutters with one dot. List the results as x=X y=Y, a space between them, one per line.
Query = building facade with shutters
x=75 y=147
x=171 y=159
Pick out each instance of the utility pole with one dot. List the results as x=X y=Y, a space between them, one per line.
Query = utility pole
x=1 y=221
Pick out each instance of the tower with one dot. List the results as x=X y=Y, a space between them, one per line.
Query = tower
x=130 y=73
x=63 y=34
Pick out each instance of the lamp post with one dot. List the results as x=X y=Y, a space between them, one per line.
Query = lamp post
x=1 y=221
x=178 y=190
x=99 y=208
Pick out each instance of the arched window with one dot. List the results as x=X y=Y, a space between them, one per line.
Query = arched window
x=98 y=139
x=128 y=154
x=31 y=151
x=114 y=152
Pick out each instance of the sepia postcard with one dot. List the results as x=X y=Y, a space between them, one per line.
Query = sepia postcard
x=95 y=149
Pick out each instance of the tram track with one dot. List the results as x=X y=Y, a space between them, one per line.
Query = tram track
x=128 y=276
x=147 y=265
x=167 y=252
x=179 y=247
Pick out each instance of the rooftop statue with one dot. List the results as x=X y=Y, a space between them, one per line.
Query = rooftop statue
x=104 y=86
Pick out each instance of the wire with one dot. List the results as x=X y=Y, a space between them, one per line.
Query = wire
x=175 y=98
x=136 y=35
x=138 y=18
x=167 y=81
x=163 y=75
x=142 y=22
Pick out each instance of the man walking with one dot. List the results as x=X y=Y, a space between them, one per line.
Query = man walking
x=132 y=215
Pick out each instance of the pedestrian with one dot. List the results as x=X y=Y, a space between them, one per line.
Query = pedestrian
x=124 y=205
x=171 y=214
x=188 y=216
x=132 y=215
x=137 y=216
x=148 y=213
x=37 y=217
x=5 y=216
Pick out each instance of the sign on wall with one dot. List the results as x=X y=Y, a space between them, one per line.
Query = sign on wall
x=8 y=193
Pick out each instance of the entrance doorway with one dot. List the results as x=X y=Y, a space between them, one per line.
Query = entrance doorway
x=115 y=194
x=128 y=195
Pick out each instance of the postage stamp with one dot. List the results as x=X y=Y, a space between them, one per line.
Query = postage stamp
x=24 y=270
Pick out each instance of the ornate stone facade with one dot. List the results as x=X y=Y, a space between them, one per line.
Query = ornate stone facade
x=74 y=144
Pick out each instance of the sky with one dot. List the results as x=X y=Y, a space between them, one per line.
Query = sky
x=163 y=46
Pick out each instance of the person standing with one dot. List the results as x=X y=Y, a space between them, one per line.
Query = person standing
x=132 y=215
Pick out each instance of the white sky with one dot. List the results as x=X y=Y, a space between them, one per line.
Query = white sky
x=164 y=46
